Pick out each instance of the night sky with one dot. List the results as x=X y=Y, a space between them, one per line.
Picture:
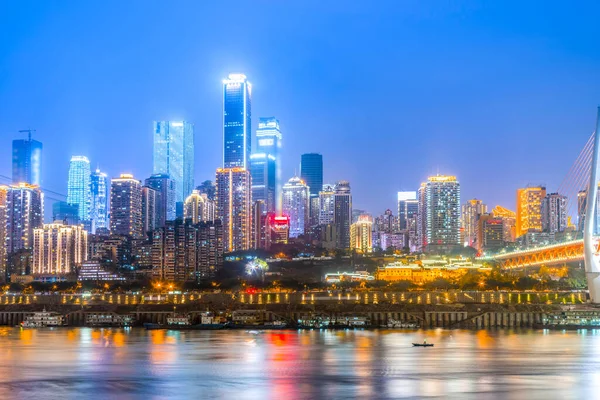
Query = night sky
x=499 y=93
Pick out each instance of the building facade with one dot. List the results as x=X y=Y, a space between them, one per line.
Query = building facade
x=174 y=155
x=78 y=188
x=24 y=212
x=441 y=212
x=126 y=207
x=529 y=209
x=234 y=207
x=99 y=192
x=58 y=249
x=311 y=172
x=471 y=211
x=342 y=217
x=150 y=205
x=199 y=208
x=404 y=199
x=554 y=213
x=361 y=237
x=263 y=169
x=27 y=161
x=268 y=141
x=295 y=195
x=237 y=112
x=167 y=197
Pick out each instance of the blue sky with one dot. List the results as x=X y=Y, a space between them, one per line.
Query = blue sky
x=501 y=94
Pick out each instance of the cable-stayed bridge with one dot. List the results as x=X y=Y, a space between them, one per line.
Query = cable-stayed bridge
x=582 y=245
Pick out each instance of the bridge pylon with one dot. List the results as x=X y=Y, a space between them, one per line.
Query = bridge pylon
x=591 y=235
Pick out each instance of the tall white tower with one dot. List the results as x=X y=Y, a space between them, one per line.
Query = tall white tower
x=591 y=241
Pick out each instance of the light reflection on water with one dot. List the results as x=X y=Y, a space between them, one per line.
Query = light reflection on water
x=134 y=363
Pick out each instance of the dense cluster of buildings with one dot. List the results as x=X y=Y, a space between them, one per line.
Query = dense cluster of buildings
x=165 y=227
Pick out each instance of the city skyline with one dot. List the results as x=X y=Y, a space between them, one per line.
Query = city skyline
x=374 y=190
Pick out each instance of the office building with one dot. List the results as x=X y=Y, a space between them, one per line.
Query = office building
x=234 y=207
x=471 y=211
x=385 y=222
x=99 y=192
x=326 y=204
x=150 y=209
x=174 y=155
x=295 y=203
x=27 y=161
x=490 y=233
x=404 y=199
x=24 y=212
x=268 y=141
x=361 y=239
x=199 y=208
x=342 y=216
x=58 y=249
x=263 y=170
x=441 y=212
x=237 y=136
x=78 y=188
x=311 y=172
x=66 y=213
x=529 y=209
x=167 y=197
x=554 y=213
x=126 y=207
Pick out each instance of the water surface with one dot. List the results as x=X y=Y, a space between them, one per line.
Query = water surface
x=133 y=364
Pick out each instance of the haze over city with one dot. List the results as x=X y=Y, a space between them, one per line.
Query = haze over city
x=499 y=96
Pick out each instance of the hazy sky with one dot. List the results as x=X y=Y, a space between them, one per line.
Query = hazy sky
x=499 y=93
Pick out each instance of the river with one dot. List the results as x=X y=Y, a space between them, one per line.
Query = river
x=133 y=363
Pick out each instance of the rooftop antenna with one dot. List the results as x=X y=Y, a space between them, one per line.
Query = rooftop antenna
x=28 y=133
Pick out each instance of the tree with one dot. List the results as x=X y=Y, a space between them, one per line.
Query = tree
x=209 y=188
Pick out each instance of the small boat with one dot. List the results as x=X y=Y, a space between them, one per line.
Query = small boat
x=423 y=344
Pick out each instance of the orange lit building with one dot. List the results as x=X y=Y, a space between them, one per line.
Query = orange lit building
x=425 y=272
x=361 y=238
x=529 y=209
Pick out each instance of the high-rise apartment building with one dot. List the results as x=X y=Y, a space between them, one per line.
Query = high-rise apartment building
x=58 y=249
x=529 y=209
x=361 y=238
x=326 y=204
x=237 y=136
x=174 y=155
x=234 y=207
x=126 y=207
x=554 y=213
x=263 y=170
x=295 y=195
x=199 y=208
x=27 y=161
x=167 y=197
x=490 y=232
x=441 y=211
x=509 y=220
x=24 y=212
x=311 y=172
x=471 y=211
x=150 y=209
x=78 y=188
x=342 y=217
x=404 y=199
x=3 y=212
x=99 y=192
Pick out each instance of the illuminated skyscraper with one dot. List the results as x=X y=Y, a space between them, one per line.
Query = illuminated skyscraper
x=27 y=161
x=442 y=212
x=326 y=204
x=78 y=189
x=554 y=213
x=150 y=209
x=65 y=213
x=99 y=190
x=263 y=169
x=471 y=211
x=126 y=207
x=268 y=142
x=58 y=248
x=404 y=199
x=3 y=216
x=198 y=208
x=295 y=195
x=167 y=197
x=174 y=155
x=361 y=235
x=529 y=209
x=490 y=232
x=234 y=207
x=342 y=217
x=509 y=220
x=23 y=213
x=237 y=136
